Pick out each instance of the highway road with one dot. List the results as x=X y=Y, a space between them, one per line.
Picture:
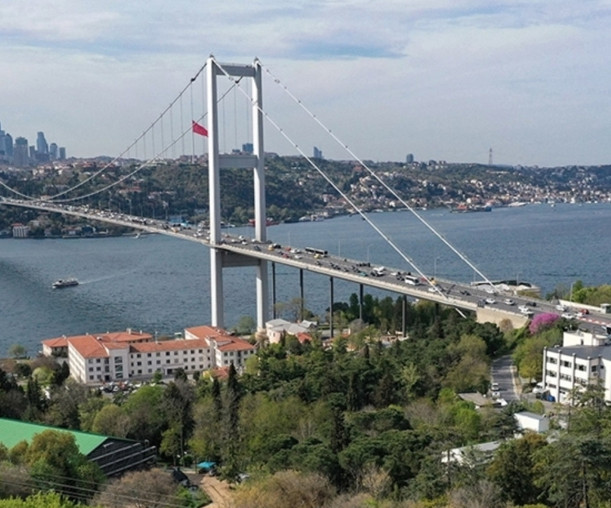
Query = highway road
x=417 y=286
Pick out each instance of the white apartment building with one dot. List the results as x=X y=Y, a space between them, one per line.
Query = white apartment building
x=584 y=358
x=96 y=359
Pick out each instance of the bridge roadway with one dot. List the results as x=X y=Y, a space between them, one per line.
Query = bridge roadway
x=488 y=303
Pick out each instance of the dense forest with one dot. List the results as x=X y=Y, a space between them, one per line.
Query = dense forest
x=364 y=421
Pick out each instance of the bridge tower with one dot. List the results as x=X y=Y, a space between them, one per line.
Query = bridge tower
x=222 y=259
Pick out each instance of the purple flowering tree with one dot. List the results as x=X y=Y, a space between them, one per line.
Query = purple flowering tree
x=542 y=321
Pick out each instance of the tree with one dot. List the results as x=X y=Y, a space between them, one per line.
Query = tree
x=111 y=420
x=18 y=351
x=231 y=437
x=177 y=404
x=14 y=480
x=512 y=469
x=145 y=410
x=286 y=489
x=40 y=500
x=140 y=489
x=575 y=470
x=56 y=463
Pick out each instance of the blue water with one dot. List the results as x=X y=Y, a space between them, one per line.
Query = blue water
x=161 y=284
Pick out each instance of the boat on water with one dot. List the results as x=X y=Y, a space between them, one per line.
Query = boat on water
x=462 y=208
x=65 y=283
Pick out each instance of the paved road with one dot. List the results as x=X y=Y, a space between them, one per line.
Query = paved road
x=503 y=373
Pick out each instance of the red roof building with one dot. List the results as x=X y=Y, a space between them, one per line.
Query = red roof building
x=119 y=356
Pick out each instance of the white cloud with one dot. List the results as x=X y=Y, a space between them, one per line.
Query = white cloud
x=443 y=79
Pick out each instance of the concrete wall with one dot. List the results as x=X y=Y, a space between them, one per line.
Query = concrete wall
x=492 y=315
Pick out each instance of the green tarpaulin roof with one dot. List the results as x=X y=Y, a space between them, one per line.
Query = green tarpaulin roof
x=14 y=431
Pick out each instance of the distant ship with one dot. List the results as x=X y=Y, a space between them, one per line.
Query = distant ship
x=65 y=283
x=268 y=222
x=471 y=208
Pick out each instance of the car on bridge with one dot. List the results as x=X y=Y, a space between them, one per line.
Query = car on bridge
x=524 y=309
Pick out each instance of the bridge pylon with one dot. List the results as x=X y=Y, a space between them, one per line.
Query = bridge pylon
x=221 y=259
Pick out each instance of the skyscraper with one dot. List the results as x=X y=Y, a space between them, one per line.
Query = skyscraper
x=21 y=158
x=41 y=143
x=8 y=145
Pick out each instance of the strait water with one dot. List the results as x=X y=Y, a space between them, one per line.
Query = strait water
x=161 y=284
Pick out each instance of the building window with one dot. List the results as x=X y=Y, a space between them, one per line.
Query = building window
x=550 y=373
x=118 y=359
x=137 y=355
x=566 y=363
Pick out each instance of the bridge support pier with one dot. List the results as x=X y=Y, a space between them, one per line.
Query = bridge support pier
x=216 y=162
x=361 y=302
x=331 y=308
x=403 y=316
x=273 y=290
x=301 y=297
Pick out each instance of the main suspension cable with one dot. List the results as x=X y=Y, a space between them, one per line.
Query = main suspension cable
x=298 y=101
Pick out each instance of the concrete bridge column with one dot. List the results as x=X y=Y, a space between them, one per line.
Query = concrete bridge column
x=301 y=297
x=331 y=306
x=214 y=190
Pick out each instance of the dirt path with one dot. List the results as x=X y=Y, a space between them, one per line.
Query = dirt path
x=218 y=490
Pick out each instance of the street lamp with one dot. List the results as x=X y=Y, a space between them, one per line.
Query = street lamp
x=435 y=266
x=370 y=245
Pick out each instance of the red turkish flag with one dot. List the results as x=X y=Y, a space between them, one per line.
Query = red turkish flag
x=199 y=129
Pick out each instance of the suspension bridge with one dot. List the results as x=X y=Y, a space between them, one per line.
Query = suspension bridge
x=170 y=130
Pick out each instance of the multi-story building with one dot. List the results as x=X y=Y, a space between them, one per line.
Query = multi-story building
x=95 y=359
x=583 y=359
x=20 y=231
x=42 y=147
x=20 y=153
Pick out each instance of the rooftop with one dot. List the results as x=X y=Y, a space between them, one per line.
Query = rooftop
x=15 y=431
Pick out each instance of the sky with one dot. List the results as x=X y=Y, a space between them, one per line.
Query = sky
x=441 y=79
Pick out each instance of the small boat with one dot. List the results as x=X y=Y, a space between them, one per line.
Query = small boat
x=65 y=283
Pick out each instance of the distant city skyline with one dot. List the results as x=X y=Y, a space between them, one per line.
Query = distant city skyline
x=19 y=152
x=437 y=79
